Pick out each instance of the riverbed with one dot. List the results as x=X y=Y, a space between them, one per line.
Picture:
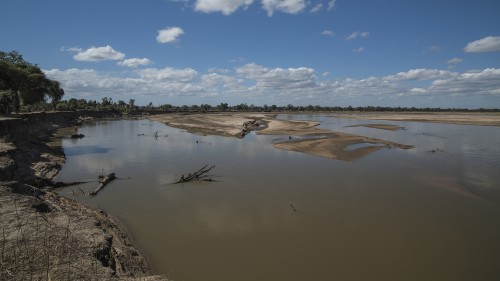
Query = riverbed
x=426 y=213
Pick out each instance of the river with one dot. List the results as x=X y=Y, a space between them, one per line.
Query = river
x=428 y=213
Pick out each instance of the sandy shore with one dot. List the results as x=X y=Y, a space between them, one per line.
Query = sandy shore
x=387 y=127
x=480 y=119
x=224 y=124
x=302 y=136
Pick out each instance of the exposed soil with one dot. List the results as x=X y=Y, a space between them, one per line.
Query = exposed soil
x=44 y=236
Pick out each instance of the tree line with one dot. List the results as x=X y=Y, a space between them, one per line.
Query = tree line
x=25 y=88
x=122 y=106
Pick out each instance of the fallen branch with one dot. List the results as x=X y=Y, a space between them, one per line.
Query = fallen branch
x=107 y=179
x=77 y=136
x=65 y=184
x=198 y=175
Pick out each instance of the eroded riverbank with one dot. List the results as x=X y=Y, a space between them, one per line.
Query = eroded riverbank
x=47 y=236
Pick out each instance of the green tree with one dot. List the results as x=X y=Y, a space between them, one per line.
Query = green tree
x=131 y=103
x=55 y=92
x=28 y=83
x=73 y=104
x=106 y=101
x=7 y=101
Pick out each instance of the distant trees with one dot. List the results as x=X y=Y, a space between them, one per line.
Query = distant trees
x=24 y=84
x=24 y=87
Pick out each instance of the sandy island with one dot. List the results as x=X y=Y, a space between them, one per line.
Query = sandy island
x=306 y=137
x=387 y=127
x=302 y=136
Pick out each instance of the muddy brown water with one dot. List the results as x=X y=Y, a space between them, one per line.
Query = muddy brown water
x=429 y=213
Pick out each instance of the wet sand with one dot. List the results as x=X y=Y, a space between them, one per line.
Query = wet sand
x=387 y=127
x=302 y=136
x=227 y=124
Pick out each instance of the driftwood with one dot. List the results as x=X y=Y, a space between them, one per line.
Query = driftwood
x=105 y=180
x=198 y=175
x=65 y=184
x=77 y=136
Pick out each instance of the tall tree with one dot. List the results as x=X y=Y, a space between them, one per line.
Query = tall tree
x=26 y=81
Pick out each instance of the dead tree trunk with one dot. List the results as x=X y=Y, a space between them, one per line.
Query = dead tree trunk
x=107 y=179
x=198 y=175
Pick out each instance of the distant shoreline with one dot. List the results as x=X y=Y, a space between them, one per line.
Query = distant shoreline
x=459 y=118
x=305 y=137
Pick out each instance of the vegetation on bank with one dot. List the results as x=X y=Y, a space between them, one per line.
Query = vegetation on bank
x=127 y=107
x=25 y=88
x=23 y=84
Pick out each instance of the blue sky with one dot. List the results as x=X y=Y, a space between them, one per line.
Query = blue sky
x=427 y=53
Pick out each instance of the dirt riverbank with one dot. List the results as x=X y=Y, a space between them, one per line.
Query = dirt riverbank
x=45 y=236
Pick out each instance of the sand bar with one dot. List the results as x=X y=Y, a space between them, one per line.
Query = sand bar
x=481 y=119
x=209 y=124
x=387 y=127
x=302 y=136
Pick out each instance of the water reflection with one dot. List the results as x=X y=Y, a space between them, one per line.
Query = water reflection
x=83 y=150
x=392 y=215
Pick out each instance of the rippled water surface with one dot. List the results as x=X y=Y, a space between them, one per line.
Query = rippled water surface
x=429 y=213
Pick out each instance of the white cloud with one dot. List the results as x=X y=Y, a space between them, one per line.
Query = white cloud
x=317 y=8
x=168 y=74
x=486 y=81
x=455 y=61
x=278 y=78
x=435 y=48
x=327 y=32
x=487 y=44
x=299 y=86
x=357 y=34
x=331 y=5
x=286 y=6
x=421 y=74
x=99 y=54
x=218 y=70
x=359 y=50
x=71 y=49
x=226 y=7
x=169 y=34
x=135 y=62
x=418 y=91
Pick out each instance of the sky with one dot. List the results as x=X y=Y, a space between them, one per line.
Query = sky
x=426 y=53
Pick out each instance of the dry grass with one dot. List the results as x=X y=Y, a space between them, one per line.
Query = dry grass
x=44 y=236
x=35 y=247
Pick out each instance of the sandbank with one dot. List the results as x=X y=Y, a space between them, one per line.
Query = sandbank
x=232 y=125
x=387 y=127
x=480 y=119
x=302 y=136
